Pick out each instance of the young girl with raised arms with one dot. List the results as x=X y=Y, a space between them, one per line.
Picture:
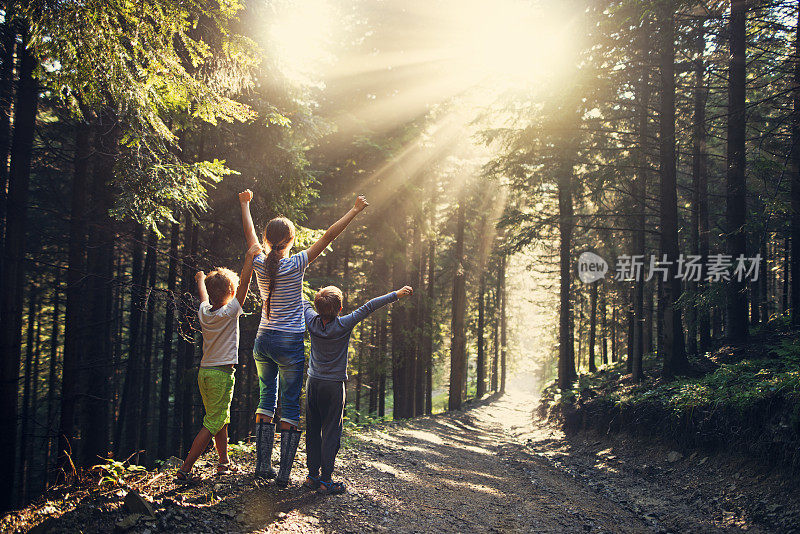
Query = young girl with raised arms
x=278 y=348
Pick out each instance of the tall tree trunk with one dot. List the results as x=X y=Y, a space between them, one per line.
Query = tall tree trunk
x=382 y=366
x=34 y=404
x=166 y=359
x=374 y=359
x=592 y=325
x=631 y=320
x=74 y=332
x=26 y=394
x=603 y=327
x=795 y=169
x=614 y=355
x=95 y=392
x=736 y=205
x=481 y=361
x=126 y=435
x=359 y=369
x=566 y=356
x=675 y=361
x=458 y=345
x=649 y=306
x=8 y=38
x=12 y=278
x=399 y=333
x=640 y=205
x=52 y=379
x=151 y=273
x=700 y=224
x=412 y=342
x=504 y=327
x=420 y=326
x=787 y=280
x=429 y=327
x=188 y=377
x=496 y=339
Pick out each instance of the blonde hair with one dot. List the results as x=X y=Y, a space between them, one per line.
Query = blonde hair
x=328 y=302
x=221 y=283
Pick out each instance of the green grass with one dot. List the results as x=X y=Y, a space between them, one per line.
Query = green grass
x=737 y=385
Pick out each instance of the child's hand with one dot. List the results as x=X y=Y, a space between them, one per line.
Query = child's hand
x=200 y=276
x=245 y=196
x=254 y=251
x=361 y=203
x=404 y=291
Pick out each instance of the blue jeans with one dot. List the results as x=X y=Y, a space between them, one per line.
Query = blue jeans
x=280 y=354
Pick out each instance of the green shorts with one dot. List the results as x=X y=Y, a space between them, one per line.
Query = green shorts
x=216 y=388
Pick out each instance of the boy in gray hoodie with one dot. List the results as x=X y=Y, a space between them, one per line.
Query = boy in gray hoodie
x=327 y=373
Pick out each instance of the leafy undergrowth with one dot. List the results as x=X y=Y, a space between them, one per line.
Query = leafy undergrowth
x=742 y=398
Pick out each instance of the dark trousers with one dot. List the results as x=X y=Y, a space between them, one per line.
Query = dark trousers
x=324 y=410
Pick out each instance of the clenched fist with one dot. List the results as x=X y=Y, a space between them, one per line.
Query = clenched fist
x=245 y=196
x=404 y=291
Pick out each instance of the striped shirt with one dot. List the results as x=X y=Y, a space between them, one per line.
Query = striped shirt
x=286 y=304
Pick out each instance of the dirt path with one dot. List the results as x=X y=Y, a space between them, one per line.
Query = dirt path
x=458 y=473
x=487 y=469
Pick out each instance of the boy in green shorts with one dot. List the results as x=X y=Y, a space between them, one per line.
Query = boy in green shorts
x=222 y=294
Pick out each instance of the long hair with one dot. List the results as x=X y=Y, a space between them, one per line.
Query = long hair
x=278 y=234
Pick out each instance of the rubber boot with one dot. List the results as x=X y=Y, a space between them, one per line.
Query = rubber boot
x=265 y=438
x=290 y=439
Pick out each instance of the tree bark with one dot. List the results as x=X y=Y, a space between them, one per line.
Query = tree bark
x=613 y=333
x=96 y=397
x=640 y=205
x=188 y=377
x=150 y=273
x=675 y=361
x=592 y=325
x=74 y=329
x=736 y=204
x=504 y=328
x=700 y=224
x=566 y=356
x=795 y=170
x=126 y=436
x=359 y=368
x=12 y=277
x=603 y=328
x=458 y=344
x=166 y=359
x=8 y=38
x=382 y=367
x=430 y=325
x=52 y=380
x=481 y=361
x=26 y=393
x=496 y=338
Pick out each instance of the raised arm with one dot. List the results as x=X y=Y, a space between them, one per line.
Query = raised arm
x=336 y=229
x=352 y=319
x=200 y=278
x=308 y=311
x=247 y=220
x=247 y=273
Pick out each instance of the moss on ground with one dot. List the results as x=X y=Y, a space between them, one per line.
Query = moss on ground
x=748 y=395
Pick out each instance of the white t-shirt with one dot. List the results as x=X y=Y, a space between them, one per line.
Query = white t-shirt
x=220 y=333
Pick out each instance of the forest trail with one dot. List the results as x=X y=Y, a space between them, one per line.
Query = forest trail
x=462 y=472
x=489 y=468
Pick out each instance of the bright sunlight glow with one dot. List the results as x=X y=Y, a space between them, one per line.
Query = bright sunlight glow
x=514 y=40
x=301 y=32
